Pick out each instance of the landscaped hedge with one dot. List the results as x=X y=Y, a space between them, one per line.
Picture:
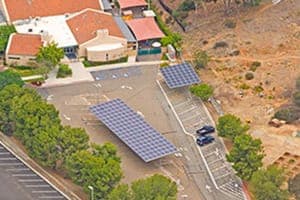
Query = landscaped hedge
x=87 y=63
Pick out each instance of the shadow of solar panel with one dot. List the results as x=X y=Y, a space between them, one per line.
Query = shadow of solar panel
x=133 y=130
x=179 y=75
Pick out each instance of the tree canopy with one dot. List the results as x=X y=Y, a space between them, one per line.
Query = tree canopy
x=204 y=91
x=50 y=55
x=156 y=187
x=230 y=126
x=9 y=77
x=246 y=155
x=5 y=32
x=266 y=184
x=102 y=172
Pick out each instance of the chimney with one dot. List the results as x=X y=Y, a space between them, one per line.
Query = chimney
x=102 y=33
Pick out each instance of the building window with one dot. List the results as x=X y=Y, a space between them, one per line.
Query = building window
x=106 y=57
x=14 y=58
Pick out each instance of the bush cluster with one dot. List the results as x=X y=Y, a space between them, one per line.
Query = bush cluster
x=64 y=71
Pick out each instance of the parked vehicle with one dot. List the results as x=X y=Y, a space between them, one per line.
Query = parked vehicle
x=205 y=130
x=203 y=140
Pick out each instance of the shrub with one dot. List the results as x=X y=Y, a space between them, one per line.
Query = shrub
x=258 y=88
x=286 y=114
x=244 y=86
x=63 y=71
x=164 y=64
x=230 y=23
x=201 y=59
x=249 y=76
x=296 y=98
x=254 y=66
x=294 y=186
x=298 y=83
x=220 y=44
x=187 y=5
x=87 y=63
x=204 y=91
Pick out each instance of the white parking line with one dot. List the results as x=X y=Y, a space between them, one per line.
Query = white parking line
x=191 y=117
x=182 y=103
x=18 y=169
x=8 y=159
x=51 y=197
x=24 y=175
x=30 y=180
x=44 y=191
x=36 y=186
x=4 y=153
x=188 y=110
x=11 y=164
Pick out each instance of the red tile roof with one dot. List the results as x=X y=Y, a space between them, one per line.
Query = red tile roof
x=84 y=26
x=23 y=9
x=24 y=44
x=145 y=28
x=131 y=3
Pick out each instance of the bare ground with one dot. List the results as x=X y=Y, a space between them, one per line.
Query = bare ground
x=269 y=34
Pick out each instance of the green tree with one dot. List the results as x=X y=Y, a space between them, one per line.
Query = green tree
x=50 y=55
x=5 y=32
x=7 y=94
x=9 y=77
x=154 y=187
x=204 y=91
x=121 y=192
x=230 y=126
x=266 y=184
x=71 y=140
x=201 y=59
x=86 y=168
x=246 y=155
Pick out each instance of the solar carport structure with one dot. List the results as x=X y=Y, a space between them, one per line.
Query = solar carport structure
x=179 y=75
x=133 y=130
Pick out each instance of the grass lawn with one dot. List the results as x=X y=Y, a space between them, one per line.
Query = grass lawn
x=87 y=63
x=27 y=71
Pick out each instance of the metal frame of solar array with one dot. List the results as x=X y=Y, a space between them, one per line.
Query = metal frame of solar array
x=133 y=130
x=179 y=75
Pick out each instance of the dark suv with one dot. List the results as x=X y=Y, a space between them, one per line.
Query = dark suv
x=203 y=140
x=205 y=130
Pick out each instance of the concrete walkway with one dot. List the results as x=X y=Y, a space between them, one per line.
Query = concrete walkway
x=121 y=65
x=79 y=74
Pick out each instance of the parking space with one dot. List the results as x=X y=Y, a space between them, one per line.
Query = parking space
x=116 y=73
x=21 y=183
x=192 y=115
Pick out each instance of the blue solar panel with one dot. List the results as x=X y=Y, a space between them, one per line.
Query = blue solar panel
x=179 y=75
x=133 y=130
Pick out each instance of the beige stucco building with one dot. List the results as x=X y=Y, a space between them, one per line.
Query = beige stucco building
x=98 y=36
x=22 y=49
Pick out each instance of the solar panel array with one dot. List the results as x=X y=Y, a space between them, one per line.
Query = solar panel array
x=179 y=75
x=133 y=130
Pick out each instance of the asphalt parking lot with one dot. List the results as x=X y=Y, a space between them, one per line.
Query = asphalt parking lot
x=193 y=116
x=137 y=87
x=21 y=183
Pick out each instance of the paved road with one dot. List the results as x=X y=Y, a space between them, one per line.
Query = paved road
x=18 y=182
